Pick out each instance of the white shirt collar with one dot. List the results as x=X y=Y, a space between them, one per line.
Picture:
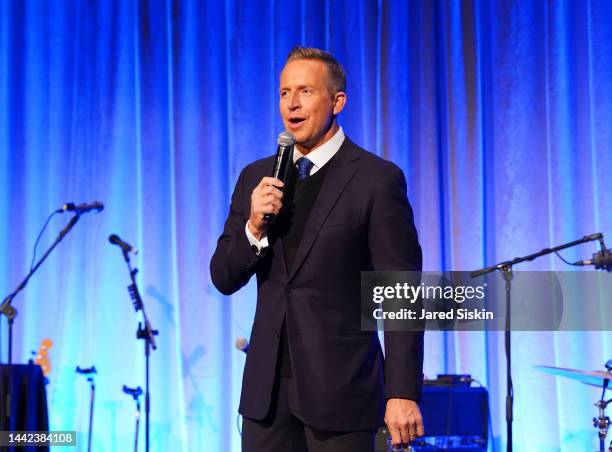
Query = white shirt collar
x=323 y=154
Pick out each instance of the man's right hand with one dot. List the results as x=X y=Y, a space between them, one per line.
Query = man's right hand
x=266 y=198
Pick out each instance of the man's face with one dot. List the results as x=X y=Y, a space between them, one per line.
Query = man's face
x=306 y=105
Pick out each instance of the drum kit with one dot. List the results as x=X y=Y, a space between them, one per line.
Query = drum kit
x=598 y=378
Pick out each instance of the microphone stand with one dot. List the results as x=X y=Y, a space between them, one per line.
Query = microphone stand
x=9 y=311
x=147 y=334
x=135 y=393
x=506 y=269
x=90 y=373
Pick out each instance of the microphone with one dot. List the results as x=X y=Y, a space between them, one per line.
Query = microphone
x=126 y=247
x=242 y=344
x=81 y=208
x=602 y=260
x=284 y=154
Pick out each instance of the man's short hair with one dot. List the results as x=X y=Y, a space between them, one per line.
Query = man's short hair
x=336 y=80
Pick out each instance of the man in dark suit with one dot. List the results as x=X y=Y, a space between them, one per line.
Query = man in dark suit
x=313 y=380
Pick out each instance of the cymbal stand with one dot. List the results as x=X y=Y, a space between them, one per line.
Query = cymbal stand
x=602 y=422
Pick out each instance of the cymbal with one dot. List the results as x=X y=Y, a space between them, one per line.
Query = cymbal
x=589 y=377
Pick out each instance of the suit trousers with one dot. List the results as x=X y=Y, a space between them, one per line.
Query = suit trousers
x=282 y=430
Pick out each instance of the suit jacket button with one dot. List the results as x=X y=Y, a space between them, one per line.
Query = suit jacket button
x=288 y=288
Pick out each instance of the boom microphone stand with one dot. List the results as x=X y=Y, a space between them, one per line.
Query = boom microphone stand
x=9 y=311
x=506 y=269
x=147 y=333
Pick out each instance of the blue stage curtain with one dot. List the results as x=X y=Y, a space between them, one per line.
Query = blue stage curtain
x=498 y=112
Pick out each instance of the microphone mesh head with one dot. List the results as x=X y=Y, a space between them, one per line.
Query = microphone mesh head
x=286 y=139
x=241 y=343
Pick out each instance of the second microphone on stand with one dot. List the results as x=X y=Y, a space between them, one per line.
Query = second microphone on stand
x=126 y=247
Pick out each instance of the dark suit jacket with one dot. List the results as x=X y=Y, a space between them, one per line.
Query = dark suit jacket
x=361 y=221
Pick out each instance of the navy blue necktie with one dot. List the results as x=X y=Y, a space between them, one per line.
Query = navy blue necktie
x=303 y=167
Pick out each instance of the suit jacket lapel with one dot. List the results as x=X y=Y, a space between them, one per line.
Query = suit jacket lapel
x=338 y=176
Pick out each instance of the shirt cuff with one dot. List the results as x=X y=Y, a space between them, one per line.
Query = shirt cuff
x=256 y=245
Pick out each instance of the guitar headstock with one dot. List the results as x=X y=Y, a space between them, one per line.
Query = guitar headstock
x=42 y=357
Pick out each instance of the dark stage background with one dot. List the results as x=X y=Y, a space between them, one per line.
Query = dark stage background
x=498 y=112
